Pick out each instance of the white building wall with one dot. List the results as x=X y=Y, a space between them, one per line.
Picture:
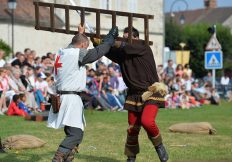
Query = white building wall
x=42 y=41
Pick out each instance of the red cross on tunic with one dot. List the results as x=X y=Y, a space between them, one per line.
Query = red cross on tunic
x=57 y=64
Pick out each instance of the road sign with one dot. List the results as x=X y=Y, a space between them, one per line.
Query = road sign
x=213 y=60
x=213 y=44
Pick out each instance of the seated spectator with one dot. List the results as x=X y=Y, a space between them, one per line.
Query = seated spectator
x=106 y=93
x=99 y=63
x=20 y=62
x=47 y=64
x=2 y=61
x=3 y=88
x=38 y=62
x=115 y=66
x=215 y=98
x=184 y=101
x=51 y=56
x=41 y=87
x=22 y=104
x=13 y=108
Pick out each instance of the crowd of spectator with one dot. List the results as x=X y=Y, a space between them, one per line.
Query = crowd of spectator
x=186 y=92
x=27 y=80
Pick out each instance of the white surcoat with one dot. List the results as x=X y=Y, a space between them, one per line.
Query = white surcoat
x=69 y=76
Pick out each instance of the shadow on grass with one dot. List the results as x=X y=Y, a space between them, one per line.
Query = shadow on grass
x=25 y=156
x=90 y=158
x=9 y=157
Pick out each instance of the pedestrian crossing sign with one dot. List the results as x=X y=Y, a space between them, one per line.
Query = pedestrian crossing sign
x=213 y=60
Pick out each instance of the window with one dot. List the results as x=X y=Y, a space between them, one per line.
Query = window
x=106 y=4
x=132 y=5
x=84 y=3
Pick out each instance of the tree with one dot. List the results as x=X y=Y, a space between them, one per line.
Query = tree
x=5 y=47
x=196 y=37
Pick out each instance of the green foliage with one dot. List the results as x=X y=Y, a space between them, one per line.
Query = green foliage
x=196 y=38
x=5 y=47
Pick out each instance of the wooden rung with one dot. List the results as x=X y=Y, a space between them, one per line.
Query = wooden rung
x=98 y=13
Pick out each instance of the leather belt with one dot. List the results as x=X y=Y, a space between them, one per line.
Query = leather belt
x=68 y=92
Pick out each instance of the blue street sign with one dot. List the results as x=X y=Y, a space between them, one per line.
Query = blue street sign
x=213 y=60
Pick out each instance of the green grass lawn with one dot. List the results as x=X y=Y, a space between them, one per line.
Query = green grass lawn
x=106 y=131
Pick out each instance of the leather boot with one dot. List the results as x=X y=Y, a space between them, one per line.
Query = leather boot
x=59 y=156
x=70 y=157
x=162 y=153
x=131 y=159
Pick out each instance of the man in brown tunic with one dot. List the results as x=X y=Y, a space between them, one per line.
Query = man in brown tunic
x=139 y=73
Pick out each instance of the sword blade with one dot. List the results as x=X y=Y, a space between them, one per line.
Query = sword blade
x=87 y=25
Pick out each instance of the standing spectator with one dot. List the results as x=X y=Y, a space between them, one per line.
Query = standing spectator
x=160 y=71
x=169 y=70
x=225 y=80
x=2 y=61
x=179 y=70
x=208 y=78
x=187 y=70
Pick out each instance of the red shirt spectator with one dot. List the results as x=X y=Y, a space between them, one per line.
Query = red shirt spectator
x=13 y=109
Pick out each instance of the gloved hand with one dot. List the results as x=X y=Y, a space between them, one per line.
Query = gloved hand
x=110 y=37
x=96 y=41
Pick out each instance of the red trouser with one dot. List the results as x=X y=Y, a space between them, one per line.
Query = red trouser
x=146 y=118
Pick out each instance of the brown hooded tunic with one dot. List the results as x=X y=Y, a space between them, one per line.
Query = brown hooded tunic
x=138 y=71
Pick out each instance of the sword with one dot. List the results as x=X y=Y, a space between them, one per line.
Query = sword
x=88 y=26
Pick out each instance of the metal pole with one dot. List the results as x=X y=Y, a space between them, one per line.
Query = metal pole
x=214 y=71
x=12 y=22
x=214 y=77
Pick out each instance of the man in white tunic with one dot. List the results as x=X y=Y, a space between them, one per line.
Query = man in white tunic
x=70 y=76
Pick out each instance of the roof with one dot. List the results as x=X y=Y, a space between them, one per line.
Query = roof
x=212 y=16
x=25 y=14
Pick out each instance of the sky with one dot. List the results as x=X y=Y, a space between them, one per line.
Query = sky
x=192 y=4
